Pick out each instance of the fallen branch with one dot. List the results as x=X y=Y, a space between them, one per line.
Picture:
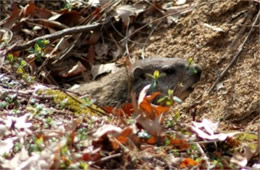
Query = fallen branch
x=58 y=34
x=237 y=53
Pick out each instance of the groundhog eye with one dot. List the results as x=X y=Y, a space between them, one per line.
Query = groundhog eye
x=169 y=70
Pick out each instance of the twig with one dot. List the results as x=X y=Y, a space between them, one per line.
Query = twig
x=50 y=56
x=121 y=35
x=66 y=52
x=58 y=34
x=258 y=144
x=108 y=157
x=150 y=34
x=183 y=11
x=237 y=53
x=204 y=156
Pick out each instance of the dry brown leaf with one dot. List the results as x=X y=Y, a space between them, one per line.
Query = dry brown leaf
x=97 y=70
x=91 y=55
x=125 y=12
x=153 y=127
x=92 y=156
x=29 y=9
x=13 y=18
x=69 y=18
x=75 y=70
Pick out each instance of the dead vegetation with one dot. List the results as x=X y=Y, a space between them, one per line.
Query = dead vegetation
x=47 y=47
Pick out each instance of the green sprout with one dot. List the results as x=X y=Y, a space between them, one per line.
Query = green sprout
x=38 y=49
x=169 y=99
x=156 y=75
x=190 y=63
x=19 y=65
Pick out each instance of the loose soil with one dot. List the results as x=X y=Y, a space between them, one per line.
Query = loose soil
x=236 y=99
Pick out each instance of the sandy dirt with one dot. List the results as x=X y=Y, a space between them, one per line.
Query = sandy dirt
x=206 y=35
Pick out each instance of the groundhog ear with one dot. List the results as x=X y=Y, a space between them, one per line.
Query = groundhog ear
x=138 y=72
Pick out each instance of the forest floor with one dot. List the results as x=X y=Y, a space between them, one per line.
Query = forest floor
x=43 y=53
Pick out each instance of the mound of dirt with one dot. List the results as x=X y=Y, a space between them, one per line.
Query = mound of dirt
x=211 y=34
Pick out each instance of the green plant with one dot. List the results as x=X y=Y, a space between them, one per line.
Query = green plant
x=83 y=165
x=68 y=6
x=38 y=49
x=190 y=63
x=82 y=134
x=20 y=66
x=63 y=103
x=37 y=145
x=167 y=100
x=156 y=75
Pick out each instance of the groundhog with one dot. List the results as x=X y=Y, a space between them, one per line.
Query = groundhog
x=113 y=89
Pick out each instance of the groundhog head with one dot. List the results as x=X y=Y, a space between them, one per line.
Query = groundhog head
x=178 y=75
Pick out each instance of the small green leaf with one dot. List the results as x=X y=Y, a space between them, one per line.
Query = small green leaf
x=169 y=103
x=170 y=93
x=37 y=48
x=83 y=165
x=156 y=74
x=23 y=63
x=177 y=115
x=162 y=99
x=45 y=42
x=19 y=70
x=180 y=84
x=167 y=142
x=10 y=57
x=64 y=102
x=31 y=50
x=190 y=61
x=149 y=75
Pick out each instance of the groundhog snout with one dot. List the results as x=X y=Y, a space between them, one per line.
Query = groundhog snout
x=197 y=72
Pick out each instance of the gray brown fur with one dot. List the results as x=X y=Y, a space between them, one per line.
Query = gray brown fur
x=112 y=89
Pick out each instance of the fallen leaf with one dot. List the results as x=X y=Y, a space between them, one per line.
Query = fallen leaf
x=69 y=18
x=113 y=110
x=6 y=145
x=94 y=37
x=125 y=12
x=105 y=129
x=153 y=127
x=123 y=138
x=29 y=9
x=126 y=110
x=12 y=19
x=152 y=140
x=152 y=111
x=75 y=70
x=91 y=55
x=92 y=156
x=98 y=70
x=180 y=144
x=188 y=162
x=207 y=130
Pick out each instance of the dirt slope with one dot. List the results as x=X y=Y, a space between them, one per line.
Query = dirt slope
x=206 y=35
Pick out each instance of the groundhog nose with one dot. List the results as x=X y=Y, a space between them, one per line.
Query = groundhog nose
x=198 y=70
